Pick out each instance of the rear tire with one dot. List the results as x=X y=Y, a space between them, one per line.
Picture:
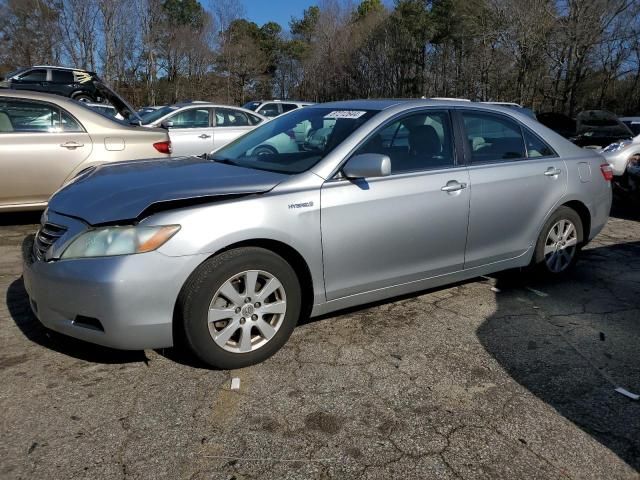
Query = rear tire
x=559 y=243
x=231 y=316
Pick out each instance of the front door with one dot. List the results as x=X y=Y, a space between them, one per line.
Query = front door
x=40 y=145
x=34 y=80
x=409 y=226
x=516 y=180
x=191 y=132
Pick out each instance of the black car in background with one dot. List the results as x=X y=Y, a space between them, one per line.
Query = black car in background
x=69 y=82
x=590 y=129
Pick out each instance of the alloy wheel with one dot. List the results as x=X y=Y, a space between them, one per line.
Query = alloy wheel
x=247 y=311
x=560 y=245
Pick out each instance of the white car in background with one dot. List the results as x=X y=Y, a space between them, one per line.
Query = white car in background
x=273 y=108
x=199 y=128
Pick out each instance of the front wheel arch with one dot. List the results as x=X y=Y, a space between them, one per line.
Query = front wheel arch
x=288 y=253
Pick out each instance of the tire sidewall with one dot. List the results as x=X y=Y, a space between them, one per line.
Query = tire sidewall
x=207 y=280
x=565 y=213
x=80 y=96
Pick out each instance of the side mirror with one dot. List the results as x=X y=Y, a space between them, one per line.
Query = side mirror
x=167 y=124
x=367 y=165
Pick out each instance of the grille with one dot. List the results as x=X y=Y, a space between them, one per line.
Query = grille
x=45 y=238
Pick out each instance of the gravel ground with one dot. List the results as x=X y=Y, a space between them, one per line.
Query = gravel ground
x=514 y=381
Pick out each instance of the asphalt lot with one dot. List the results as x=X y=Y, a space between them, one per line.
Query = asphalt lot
x=459 y=382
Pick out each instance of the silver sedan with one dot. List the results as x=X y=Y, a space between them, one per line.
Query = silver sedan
x=198 y=128
x=381 y=198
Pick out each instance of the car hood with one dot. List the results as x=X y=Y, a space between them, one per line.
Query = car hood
x=122 y=191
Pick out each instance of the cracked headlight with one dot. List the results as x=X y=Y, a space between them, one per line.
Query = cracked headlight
x=616 y=147
x=107 y=241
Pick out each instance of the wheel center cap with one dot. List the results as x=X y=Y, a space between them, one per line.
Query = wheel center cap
x=247 y=310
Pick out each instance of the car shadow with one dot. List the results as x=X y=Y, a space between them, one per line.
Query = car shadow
x=624 y=211
x=17 y=302
x=20 y=218
x=580 y=341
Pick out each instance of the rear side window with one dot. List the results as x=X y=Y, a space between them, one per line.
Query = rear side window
x=62 y=76
x=287 y=107
x=227 y=117
x=493 y=138
x=28 y=117
x=192 y=118
x=536 y=147
x=420 y=141
x=34 y=76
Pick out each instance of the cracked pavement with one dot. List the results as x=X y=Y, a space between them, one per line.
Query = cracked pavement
x=457 y=382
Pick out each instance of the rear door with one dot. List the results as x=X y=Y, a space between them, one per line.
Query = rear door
x=411 y=225
x=191 y=132
x=229 y=125
x=516 y=180
x=62 y=81
x=40 y=145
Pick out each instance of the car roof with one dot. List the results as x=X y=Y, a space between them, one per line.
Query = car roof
x=385 y=103
x=303 y=102
x=31 y=95
x=57 y=67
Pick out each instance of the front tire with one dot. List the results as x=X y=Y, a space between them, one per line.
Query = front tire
x=559 y=243
x=240 y=307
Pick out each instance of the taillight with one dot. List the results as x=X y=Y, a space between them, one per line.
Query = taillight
x=163 y=147
x=607 y=171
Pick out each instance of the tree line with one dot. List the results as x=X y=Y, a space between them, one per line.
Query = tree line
x=551 y=55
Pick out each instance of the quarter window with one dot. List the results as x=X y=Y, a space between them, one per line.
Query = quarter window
x=536 y=147
x=421 y=141
x=493 y=138
x=192 y=118
x=68 y=123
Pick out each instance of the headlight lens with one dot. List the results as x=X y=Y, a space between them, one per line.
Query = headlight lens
x=108 y=241
x=616 y=147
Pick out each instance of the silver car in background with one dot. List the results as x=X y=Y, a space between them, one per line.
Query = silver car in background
x=382 y=198
x=199 y=128
x=45 y=140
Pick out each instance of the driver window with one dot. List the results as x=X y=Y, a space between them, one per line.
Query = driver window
x=421 y=141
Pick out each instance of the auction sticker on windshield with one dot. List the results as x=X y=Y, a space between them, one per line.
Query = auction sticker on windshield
x=345 y=114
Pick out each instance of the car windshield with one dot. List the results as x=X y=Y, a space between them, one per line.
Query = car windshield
x=14 y=73
x=295 y=142
x=151 y=117
x=251 y=105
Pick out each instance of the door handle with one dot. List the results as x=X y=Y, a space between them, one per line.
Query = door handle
x=453 y=186
x=204 y=135
x=552 y=172
x=72 y=145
